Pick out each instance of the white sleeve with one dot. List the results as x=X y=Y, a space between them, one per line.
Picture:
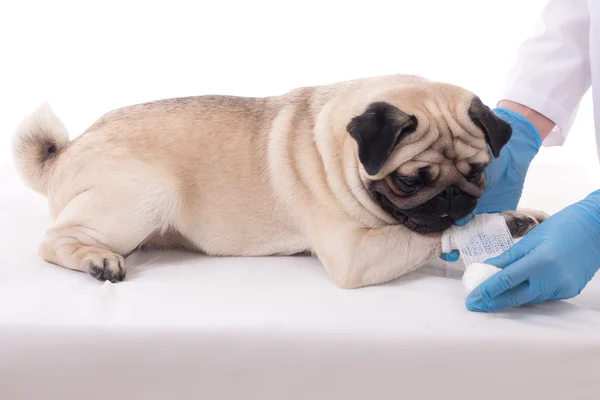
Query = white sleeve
x=552 y=71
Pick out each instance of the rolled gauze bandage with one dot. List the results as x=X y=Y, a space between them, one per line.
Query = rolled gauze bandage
x=476 y=274
x=485 y=236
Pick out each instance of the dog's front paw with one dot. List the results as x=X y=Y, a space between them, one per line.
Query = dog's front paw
x=107 y=266
x=523 y=220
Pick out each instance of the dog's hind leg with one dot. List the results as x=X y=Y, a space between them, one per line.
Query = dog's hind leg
x=94 y=231
x=82 y=249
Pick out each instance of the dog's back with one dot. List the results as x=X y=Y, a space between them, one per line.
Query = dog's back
x=194 y=169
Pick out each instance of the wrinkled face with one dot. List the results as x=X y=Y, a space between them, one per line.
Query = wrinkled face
x=424 y=166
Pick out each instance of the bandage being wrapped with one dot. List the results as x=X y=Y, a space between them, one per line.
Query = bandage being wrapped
x=484 y=237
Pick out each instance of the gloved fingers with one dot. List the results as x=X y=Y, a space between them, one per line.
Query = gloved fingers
x=521 y=294
x=452 y=256
x=540 y=299
x=510 y=277
x=494 y=286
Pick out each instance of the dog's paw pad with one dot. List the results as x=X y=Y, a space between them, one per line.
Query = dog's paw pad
x=109 y=268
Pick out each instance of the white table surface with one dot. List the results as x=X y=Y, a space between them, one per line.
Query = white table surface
x=185 y=326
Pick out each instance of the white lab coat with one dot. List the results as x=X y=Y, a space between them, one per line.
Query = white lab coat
x=556 y=66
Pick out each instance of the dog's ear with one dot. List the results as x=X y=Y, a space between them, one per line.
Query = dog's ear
x=497 y=131
x=377 y=131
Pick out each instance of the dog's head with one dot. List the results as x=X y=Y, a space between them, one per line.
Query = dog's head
x=423 y=151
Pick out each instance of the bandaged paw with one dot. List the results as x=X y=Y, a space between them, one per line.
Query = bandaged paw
x=484 y=237
x=476 y=274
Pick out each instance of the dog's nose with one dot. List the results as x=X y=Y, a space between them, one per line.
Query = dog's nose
x=445 y=199
x=455 y=203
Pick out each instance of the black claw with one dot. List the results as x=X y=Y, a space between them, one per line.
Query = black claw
x=96 y=271
x=104 y=273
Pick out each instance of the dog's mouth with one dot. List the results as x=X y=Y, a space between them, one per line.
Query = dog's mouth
x=421 y=219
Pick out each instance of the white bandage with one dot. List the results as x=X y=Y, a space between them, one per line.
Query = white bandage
x=476 y=274
x=484 y=237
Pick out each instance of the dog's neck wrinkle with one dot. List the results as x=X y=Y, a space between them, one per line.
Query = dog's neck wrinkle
x=367 y=208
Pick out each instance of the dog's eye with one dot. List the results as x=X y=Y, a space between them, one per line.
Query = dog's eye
x=476 y=171
x=406 y=184
x=474 y=176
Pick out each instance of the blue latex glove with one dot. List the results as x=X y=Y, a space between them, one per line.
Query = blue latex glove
x=554 y=261
x=505 y=175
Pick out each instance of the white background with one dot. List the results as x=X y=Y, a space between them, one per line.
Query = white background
x=89 y=57
x=277 y=328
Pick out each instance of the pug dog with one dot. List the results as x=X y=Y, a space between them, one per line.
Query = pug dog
x=364 y=174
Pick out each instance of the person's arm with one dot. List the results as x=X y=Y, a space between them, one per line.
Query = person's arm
x=559 y=257
x=552 y=70
x=543 y=125
x=542 y=95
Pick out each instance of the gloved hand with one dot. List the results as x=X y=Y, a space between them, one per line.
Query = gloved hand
x=554 y=261
x=505 y=175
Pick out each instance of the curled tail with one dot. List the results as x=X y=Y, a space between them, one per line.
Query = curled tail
x=37 y=142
